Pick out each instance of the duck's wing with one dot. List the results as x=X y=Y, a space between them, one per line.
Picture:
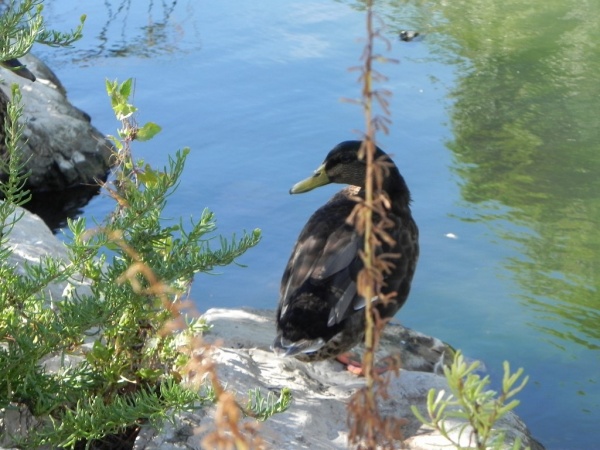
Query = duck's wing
x=326 y=253
x=339 y=265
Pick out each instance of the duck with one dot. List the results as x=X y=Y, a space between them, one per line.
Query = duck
x=408 y=35
x=320 y=314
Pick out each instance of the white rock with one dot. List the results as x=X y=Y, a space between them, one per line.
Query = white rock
x=30 y=240
x=317 y=417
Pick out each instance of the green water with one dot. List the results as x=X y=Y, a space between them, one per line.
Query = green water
x=526 y=137
x=526 y=146
x=495 y=115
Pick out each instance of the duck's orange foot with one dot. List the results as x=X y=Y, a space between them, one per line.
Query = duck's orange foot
x=354 y=365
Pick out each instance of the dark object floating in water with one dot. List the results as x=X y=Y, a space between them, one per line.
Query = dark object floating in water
x=320 y=313
x=408 y=35
x=15 y=66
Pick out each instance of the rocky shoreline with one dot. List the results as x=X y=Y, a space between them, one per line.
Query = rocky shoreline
x=317 y=417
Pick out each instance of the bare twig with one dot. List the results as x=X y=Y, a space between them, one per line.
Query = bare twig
x=368 y=429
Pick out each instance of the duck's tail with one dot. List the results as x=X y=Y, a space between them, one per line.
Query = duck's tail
x=283 y=347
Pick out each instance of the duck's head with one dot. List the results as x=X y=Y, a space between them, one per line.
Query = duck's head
x=342 y=165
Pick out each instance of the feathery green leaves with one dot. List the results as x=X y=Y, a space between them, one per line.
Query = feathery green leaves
x=477 y=408
x=96 y=360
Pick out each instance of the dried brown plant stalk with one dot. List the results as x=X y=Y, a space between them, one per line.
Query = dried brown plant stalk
x=230 y=432
x=368 y=429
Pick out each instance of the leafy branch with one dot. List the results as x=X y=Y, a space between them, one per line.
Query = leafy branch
x=262 y=407
x=22 y=25
x=478 y=408
x=12 y=188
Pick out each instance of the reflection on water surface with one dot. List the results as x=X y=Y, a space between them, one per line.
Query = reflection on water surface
x=495 y=113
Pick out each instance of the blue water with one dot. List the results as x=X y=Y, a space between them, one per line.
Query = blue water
x=255 y=90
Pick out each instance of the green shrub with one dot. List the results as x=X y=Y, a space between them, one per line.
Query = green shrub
x=478 y=408
x=138 y=267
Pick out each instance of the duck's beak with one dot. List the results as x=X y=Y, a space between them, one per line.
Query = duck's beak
x=319 y=178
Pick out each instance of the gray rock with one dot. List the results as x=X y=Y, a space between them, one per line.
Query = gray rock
x=15 y=422
x=29 y=241
x=62 y=147
x=317 y=417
